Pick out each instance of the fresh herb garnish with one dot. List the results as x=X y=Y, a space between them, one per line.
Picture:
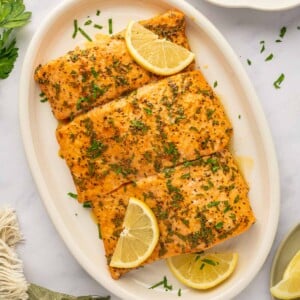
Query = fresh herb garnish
x=12 y=15
x=43 y=98
x=98 y=26
x=269 y=57
x=84 y=34
x=215 y=83
x=179 y=293
x=72 y=195
x=110 y=26
x=249 y=62
x=282 y=31
x=278 y=81
x=209 y=261
x=88 y=22
x=87 y=204
x=75 y=22
x=164 y=283
x=98 y=12
x=99 y=232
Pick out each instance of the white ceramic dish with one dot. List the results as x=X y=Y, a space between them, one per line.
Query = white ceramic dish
x=258 y=4
x=251 y=140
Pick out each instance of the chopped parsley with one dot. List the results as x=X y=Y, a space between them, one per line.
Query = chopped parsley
x=278 y=81
x=249 y=62
x=110 y=26
x=84 y=34
x=72 y=195
x=98 y=26
x=269 y=57
x=98 y=12
x=87 y=204
x=164 y=283
x=282 y=32
x=96 y=149
x=262 y=49
x=209 y=261
x=88 y=22
x=75 y=22
x=215 y=83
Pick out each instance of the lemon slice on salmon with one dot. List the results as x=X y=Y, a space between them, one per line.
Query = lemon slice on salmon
x=138 y=238
x=156 y=55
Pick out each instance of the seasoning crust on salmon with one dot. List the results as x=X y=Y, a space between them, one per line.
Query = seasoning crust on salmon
x=103 y=71
x=158 y=126
x=197 y=205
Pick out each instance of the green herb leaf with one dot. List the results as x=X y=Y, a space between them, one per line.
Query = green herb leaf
x=72 y=195
x=36 y=292
x=269 y=57
x=13 y=14
x=8 y=53
x=83 y=33
x=110 y=26
x=278 y=81
x=215 y=83
x=249 y=62
x=282 y=31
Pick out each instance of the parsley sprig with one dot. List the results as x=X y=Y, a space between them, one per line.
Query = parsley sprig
x=12 y=16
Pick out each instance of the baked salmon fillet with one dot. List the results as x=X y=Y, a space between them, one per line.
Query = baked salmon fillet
x=197 y=205
x=158 y=126
x=104 y=70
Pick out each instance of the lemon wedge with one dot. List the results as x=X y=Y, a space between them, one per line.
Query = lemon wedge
x=289 y=286
x=203 y=271
x=138 y=238
x=293 y=266
x=156 y=55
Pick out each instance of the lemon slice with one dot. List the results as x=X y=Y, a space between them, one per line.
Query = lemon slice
x=288 y=288
x=293 y=266
x=139 y=236
x=203 y=271
x=156 y=55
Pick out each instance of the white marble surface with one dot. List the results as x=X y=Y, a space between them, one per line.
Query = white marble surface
x=46 y=259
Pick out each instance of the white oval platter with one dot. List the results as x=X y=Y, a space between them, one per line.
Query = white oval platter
x=251 y=140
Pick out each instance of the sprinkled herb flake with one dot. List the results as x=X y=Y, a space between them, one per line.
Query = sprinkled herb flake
x=249 y=62
x=298 y=27
x=43 y=98
x=87 y=204
x=269 y=57
x=215 y=83
x=179 y=293
x=209 y=261
x=282 y=32
x=99 y=232
x=75 y=22
x=219 y=225
x=278 y=41
x=110 y=26
x=98 y=26
x=88 y=22
x=84 y=34
x=164 y=283
x=263 y=48
x=278 y=81
x=72 y=195
x=98 y=12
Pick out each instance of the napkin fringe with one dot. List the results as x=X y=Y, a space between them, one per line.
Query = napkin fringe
x=13 y=285
x=9 y=227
